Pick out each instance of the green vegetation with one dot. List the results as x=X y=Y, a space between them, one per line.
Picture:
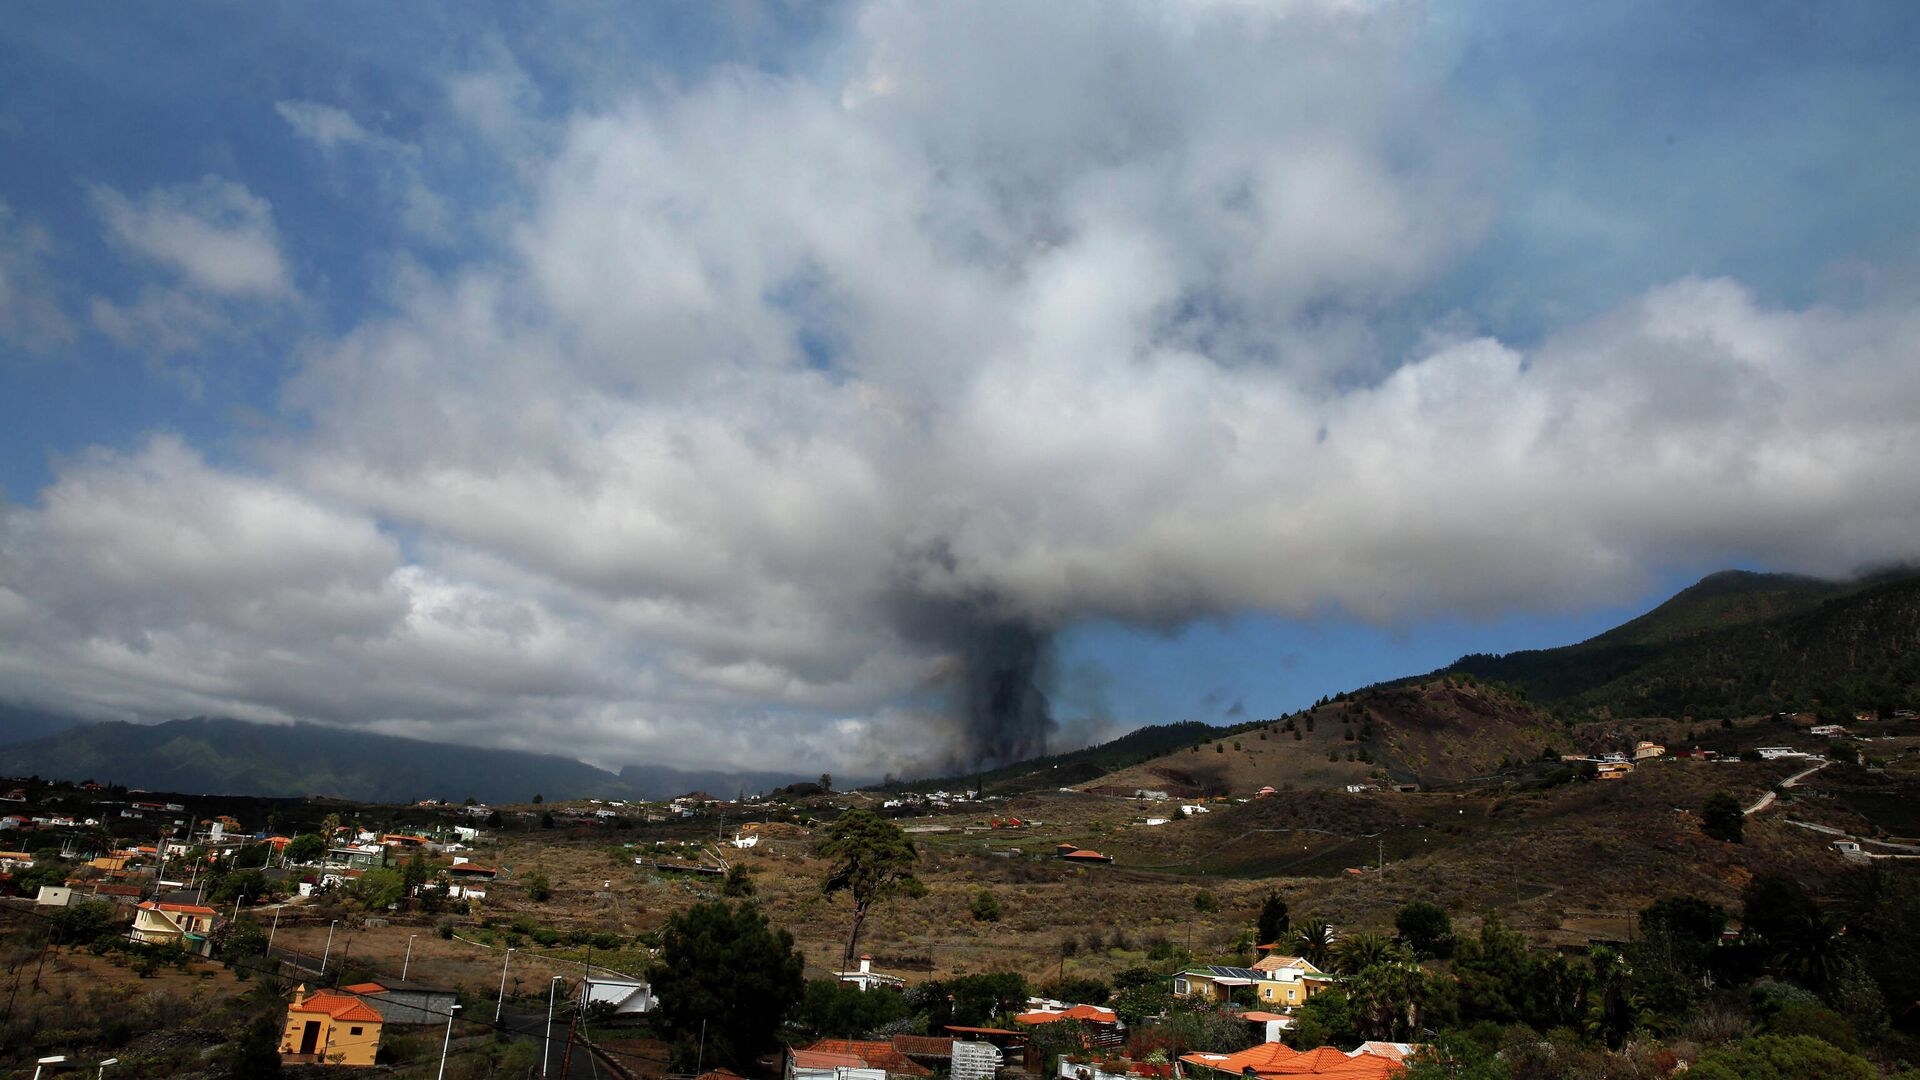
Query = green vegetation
x=1735 y=644
x=723 y=970
x=871 y=861
x=1722 y=818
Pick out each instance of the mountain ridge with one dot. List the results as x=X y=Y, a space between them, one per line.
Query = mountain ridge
x=216 y=755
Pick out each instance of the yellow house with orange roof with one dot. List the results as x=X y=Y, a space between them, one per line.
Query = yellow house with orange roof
x=328 y=1027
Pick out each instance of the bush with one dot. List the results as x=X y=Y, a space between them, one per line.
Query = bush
x=985 y=907
x=1722 y=818
x=1426 y=928
x=539 y=889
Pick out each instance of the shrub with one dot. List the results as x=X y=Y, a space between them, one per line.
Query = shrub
x=985 y=906
x=539 y=889
x=1722 y=818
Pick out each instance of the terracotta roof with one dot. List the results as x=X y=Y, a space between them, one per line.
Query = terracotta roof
x=875 y=1053
x=719 y=1074
x=1275 y=962
x=924 y=1045
x=337 y=1005
x=365 y=988
x=1279 y=1059
x=810 y=1059
x=1392 y=1051
x=1078 y=1012
x=1263 y=1017
x=117 y=890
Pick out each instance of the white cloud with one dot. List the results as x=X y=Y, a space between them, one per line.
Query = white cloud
x=215 y=234
x=1047 y=313
x=325 y=125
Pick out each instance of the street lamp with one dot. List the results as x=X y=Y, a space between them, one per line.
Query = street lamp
x=103 y=1067
x=273 y=931
x=553 y=988
x=409 y=960
x=501 y=1006
x=329 y=949
x=57 y=1059
x=455 y=1011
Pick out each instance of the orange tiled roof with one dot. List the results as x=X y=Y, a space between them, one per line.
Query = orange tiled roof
x=337 y=1005
x=365 y=988
x=1278 y=1059
x=924 y=1045
x=814 y=1059
x=874 y=1053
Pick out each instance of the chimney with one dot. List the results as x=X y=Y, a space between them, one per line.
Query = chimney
x=299 y=995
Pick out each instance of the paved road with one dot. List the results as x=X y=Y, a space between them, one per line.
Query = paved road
x=1767 y=800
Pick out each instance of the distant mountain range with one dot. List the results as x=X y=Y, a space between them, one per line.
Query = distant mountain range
x=235 y=757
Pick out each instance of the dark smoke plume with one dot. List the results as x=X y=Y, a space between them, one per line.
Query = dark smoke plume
x=1002 y=664
x=1007 y=716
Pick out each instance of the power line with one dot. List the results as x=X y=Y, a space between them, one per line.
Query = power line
x=275 y=972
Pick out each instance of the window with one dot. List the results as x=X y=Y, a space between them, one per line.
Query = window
x=353 y=1031
x=1179 y=986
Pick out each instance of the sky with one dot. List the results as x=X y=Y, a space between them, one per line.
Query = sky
x=872 y=386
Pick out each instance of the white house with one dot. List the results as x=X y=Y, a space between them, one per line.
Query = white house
x=1772 y=753
x=54 y=896
x=866 y=978
x=1827 y=731
x=626 y=996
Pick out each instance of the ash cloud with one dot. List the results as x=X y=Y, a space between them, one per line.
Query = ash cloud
x=636 y=472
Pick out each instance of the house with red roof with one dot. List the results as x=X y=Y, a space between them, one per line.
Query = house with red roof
x=329 y=1027
x=822 y=1065
x=875 y=1054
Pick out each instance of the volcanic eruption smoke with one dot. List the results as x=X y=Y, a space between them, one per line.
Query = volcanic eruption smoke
x=1007 y=715
x=1001 y=662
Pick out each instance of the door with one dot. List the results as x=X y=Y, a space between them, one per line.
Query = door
x=310 y=1038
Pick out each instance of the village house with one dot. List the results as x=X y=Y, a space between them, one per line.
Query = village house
x=872 y=1054
x=819 y=1065
x=1827 y=731
x=1288 y=980
x=16 y=860
x=159 y=922
x=1099 y=1027
x=1647 y=751
x=1213 y=982
x=1275 y=1059
x=866 y=978
x=329 y=1027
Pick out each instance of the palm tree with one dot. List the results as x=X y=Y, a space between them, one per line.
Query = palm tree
x=1809 y=946
x=1314 y=939
x=1355 y=954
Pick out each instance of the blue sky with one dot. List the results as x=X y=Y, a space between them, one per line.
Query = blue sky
x=632 y=370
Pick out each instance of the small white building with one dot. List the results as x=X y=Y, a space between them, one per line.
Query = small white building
x=1774 y=753
x=54 y=896
x=866 y=978
x=1827 y=731
x=626 y=996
